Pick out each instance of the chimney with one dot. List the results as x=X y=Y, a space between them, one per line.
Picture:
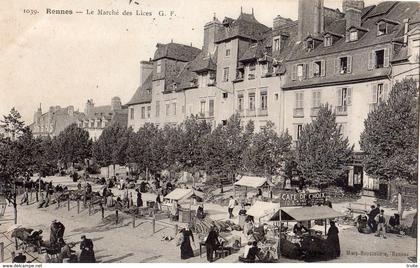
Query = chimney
x=353 y=17
x=357 y=4
x=146 y=68
x=405 y=21
x=279 y=21
x=115 y=104
x=210 y=31
x=310 y=18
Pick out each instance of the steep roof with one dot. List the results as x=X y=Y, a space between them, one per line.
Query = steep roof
x=176 y=51
x=245 y=26
x=394 y=11
x=204 y=63
x=142 y=94
x=186 y=78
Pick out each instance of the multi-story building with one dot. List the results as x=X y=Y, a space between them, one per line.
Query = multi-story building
x=54 y=121
x=349 y=59
x=95 y=119
x=349 y=64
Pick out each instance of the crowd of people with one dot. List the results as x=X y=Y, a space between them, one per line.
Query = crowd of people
x=374 y=221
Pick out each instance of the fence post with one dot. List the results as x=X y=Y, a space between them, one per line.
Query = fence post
x=1 y=252
x=78 y=206
x=176 y=229
x=116 y=216
x=68 y=203
x=102 y=211
x=154 y=224
x=31 y=194
x=90 y=207
x=134 y=220
x=36 y=196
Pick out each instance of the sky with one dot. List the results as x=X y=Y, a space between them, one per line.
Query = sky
x=65 y=60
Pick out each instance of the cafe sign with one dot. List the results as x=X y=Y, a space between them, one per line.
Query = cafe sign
x=292 y=199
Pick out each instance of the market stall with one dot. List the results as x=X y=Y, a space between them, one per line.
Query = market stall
x=182 y=196
x=253 y=182
x=262 y=211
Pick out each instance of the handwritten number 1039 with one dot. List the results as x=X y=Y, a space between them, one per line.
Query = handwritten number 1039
x=30 y=11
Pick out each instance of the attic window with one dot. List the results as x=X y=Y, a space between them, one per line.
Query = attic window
x=328 y=41
x=382 y=29
x=310 y=44
x=353 y=35
x=276 y=43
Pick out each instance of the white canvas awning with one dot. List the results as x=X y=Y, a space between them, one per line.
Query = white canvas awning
x=262 y=209
x=307 y=213
x=181 y=194
x=251 y=181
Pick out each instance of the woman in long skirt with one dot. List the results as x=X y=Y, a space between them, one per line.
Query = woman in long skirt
x=333 y=240
x=186 y=249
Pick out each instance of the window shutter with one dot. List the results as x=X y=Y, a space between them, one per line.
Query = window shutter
x=296 y=99
x=370 y=60
x=294 y=72
x=386 y=57
x=295 y=131
x=386 y=91
x=314 y=98
x=311 y=69
x=349 y=64
x=304 y=71
x=374 y=93
x=323 y=68
x=337 y=66
x=349 y=93
x=339 y=92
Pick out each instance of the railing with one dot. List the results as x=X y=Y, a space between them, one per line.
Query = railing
x=262 y=112
x=341 y=110
x=314 y=111
x=298 y=112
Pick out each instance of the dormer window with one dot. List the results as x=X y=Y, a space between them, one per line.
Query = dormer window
x=328 y=41
x=251 y=71
x=382 y=28
x=310 y=44
x=353 y=35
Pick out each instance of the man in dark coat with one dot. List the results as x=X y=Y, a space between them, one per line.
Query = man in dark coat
x=333 y=241
x=212 y=242
x=87 y=255
x=56 y=232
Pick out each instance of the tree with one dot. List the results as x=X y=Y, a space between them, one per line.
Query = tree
x=267 y=151
x=111 y=147
x=47 y=163
x=73 y=145
x=322 y=152
x=18 y=156
x=390 y=137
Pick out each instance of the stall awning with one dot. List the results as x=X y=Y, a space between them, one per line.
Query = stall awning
x=307 y=213
x=262 y=209
x=251 y=181
x=180 y=194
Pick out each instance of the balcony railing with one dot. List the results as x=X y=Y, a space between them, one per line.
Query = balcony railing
x=206 y=115
x=250 y=112
x=341 y=110
x=262 y=112
x=298 y=112
x=314 y=111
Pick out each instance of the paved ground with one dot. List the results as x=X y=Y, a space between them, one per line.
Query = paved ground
x=123 y=243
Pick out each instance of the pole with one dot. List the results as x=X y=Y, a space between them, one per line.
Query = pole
x=279 y=252
x=68 y=203
x=2 y=252
x=134 y=220
x=102 y=211
x=31 y=193
x=90 y=207
x=154 y=225
x=78 y=206
x=116 y=216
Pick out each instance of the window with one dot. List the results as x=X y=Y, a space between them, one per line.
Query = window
x=131 y=113
x=316 y=99
x=225 y=95
x=276 y=96
x=202 y=107
x=240 y=102
x=143 y=112
x=174 y=108
x=328 y=41
x=299 y=100
x=353 y=35
x=211 y=107
x=298 y=131
x=344 y=97
x=251 y=71
x=310 y=44
x=157 y=108
x=379 y=56
x=300 y=70
x=251 y=98
x=149 y=109
x=343 y=65
x=167 y=108
x=317 y=68
x=382 y=29
x=224 y=122
x=379 y=92
x=228 y=48
x=276 y=43
x=226 y=74
x=264 y=100
x=158 y=66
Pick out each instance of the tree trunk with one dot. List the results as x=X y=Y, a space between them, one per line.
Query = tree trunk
x=113 y=165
